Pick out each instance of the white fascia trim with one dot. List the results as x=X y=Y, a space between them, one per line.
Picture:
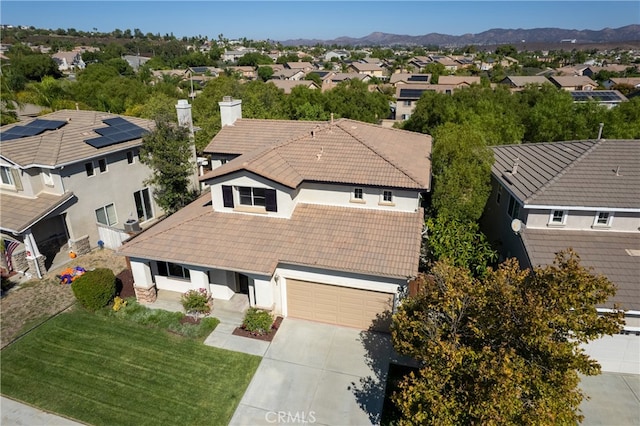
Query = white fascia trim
x=582 y=208
x=609 y=310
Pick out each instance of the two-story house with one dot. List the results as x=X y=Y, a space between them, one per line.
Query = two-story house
x=573 y=82
x=70 y=179
x=314 y=220
x=581 y=194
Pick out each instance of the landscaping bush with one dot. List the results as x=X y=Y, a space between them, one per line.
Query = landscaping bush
x=196 y=302
x=95 y=289
x=257 y=321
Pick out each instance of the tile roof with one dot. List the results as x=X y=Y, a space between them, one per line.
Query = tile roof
x=572 y=81
x=364 y=241
x=605 y=252
x=346 y=151
x=457 y=79
x=19 y=213
x=287 y=85
x=65 y=145
x=577 y=173
x=520 y=81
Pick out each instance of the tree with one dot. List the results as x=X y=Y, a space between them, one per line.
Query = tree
x=461 y=163
x=168 y=151
x=265 y=73
x=503 y=349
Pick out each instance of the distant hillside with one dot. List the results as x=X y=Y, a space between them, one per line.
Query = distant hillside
x=490 y=37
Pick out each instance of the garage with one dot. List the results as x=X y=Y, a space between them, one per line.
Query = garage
x=338 y=305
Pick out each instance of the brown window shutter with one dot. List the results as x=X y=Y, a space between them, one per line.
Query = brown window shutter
x=271 y=203
x=227 y=196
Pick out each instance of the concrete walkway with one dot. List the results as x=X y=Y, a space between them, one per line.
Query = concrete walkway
x=18 y=414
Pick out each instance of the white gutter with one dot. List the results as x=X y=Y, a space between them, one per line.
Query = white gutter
x=630 y=313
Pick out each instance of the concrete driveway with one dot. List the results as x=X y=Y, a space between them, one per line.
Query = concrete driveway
x=320 y=374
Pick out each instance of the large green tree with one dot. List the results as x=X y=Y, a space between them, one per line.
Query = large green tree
x=461 y=168
x=168 y=150
x=503 y=349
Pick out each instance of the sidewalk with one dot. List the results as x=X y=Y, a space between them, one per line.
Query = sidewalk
x=15 y=413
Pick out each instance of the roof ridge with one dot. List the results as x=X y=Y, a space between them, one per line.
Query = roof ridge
x=406 y=173
x=560 y=174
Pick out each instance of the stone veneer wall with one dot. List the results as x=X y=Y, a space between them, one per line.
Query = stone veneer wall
x=81 y=245
x=19 y=261
x=146 y=295
x=32 y=265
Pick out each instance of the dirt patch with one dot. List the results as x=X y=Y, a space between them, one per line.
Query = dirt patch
x=30 y=302
x=267 y=337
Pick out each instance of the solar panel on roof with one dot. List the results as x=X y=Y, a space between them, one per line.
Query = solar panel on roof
x=119 y=130
x=34 y=128
x=411 y=93
x=418 y=78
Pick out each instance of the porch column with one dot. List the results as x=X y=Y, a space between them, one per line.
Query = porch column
x=35 y=259
x=143 y=285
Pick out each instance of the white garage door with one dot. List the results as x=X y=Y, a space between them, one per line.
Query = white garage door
x=338 y=305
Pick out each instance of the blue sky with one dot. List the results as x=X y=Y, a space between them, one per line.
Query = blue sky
x=282 y=20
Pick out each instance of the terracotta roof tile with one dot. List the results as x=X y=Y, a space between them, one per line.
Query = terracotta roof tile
x=66 y=145
x=19 y=213
x=339 y=238
x=604 y=251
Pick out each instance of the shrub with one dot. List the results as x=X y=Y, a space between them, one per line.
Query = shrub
x=95 y=289
x=196 y=302
x=257 y=321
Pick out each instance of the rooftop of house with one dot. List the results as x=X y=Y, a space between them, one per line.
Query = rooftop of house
x=520 y=81
x=365 y=66
x=613 y=254
x=20 y=213
x=363 y=241
x=66 y=143
x=458 y=79
x=410 y=78
x=572 y=80
x=345 y=151
x=587 y=173
x=287 y=85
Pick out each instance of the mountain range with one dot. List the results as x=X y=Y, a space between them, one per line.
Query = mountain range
x=490 y=37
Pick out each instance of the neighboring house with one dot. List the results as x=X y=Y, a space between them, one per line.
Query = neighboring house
x=409 y=78
x=335 y=78
x=70 y=179
x=407 y=96
x=448 y=63
x=338 y=54
x=458 y=81
x=516 y=83
x=287 y=74
x=592 y=70
x=314 y=220
x=628 y=81
x=234 y=55
x=372 y=70
x=580 y=194
x=607 y=98
x=136 y=61
x=305 y=67
x=247 y=72
x=574 y=82
x=287 y=85
x=68 y=61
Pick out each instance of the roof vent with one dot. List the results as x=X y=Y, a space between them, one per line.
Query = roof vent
x=618 y=171
x=514 y=168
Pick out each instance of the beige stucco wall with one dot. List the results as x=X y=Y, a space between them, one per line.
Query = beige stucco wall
x=584 y=221
x=116 y=185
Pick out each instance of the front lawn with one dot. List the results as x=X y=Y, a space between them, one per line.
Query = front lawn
x=105 y=372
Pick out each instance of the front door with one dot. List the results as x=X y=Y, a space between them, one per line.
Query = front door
x=243 y=281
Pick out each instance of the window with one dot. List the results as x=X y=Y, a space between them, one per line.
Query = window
x=107 y=215
x=130 y=157
x=603 y=219
x=89 y=168
x=499 y=195
x=169 y=269
x=514 y=208
x=558 y=217
x=143 y=204
x=6 y=176
x=252 y=196
x=387 y=196
x=407 y=103
x=357 y=194
x=102 y=165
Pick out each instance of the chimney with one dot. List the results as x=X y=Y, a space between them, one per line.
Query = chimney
x=230 y=110
x=183 y=108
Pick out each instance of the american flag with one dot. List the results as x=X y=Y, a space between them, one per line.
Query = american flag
x=9 y=247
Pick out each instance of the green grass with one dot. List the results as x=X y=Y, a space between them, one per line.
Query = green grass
x=104 y=372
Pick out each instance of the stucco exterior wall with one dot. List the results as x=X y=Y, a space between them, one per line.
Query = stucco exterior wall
x=116 y=186
x=342 y=195
x=584 y=221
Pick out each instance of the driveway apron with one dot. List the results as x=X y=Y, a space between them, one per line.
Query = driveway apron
x=318 y=374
